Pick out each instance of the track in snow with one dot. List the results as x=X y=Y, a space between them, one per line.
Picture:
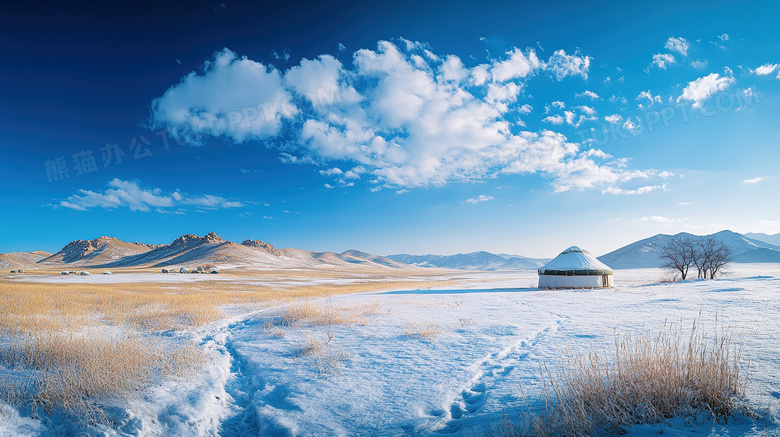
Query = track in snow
x=239 y=386
x=490 y=372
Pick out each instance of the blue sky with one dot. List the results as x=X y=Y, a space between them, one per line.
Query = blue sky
x=394 y=128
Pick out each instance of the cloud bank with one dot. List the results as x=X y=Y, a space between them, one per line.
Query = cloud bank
x=398 y=116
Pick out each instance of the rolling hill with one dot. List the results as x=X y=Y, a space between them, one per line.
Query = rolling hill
x=472 y=261
x=190 y=251
x=22 y=260
x=774 y=238
x=95 y=252
x=644 y=253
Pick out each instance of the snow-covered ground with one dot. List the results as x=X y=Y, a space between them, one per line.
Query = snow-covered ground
x=439 y=362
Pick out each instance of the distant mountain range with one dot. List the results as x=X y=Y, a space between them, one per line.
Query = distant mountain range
x=191 y=251
x=472 y=261
x=644 y=253
x=774 y=239
x=641 y=254
x=187 y=251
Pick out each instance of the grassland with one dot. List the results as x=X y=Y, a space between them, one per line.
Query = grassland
x=73 y=347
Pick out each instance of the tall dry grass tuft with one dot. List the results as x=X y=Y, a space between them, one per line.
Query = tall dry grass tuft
x=325 y=355
x=417 y=330
x=645 y=378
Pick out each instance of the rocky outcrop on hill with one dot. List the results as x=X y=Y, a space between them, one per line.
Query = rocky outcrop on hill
x=261 y=245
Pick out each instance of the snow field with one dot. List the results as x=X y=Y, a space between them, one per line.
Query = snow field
x=432 y=362
x=462 y=379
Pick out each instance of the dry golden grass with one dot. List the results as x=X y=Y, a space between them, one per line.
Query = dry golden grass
x=58 y=350
x=641 y=379
x=55 y=350
x=74 y=371
x=326 y=314
x=418 y=330
x=326 y=356
x=39 y=306
x=29 y=307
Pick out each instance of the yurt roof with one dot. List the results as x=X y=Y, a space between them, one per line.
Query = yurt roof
x=575 y=262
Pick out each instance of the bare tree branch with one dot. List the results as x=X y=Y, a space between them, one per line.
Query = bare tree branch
x=707 y=254
x=678 y=254
x=721 y=256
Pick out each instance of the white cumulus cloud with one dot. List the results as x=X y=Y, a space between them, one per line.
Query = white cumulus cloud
x=518 y=65
x=480 y=198
x=331 y=172
x=561 y=65
x=663 y=220
x=589 y=94
x=641 y=190
x=236 y=96
x=702 y=88
x=765 y=69
x=679 y=45
x=629 y=124
x=662 y=60
x=650 y=98
x=618 y=99
x=131 y=195
x=598 y=153
x=553 y=119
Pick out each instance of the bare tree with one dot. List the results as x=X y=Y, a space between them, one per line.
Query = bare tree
x=707 y=254
x=719 y=254
x=678 y=254
x=703 y=251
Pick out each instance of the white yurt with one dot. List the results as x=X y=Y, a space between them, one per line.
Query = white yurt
x=575 y=268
